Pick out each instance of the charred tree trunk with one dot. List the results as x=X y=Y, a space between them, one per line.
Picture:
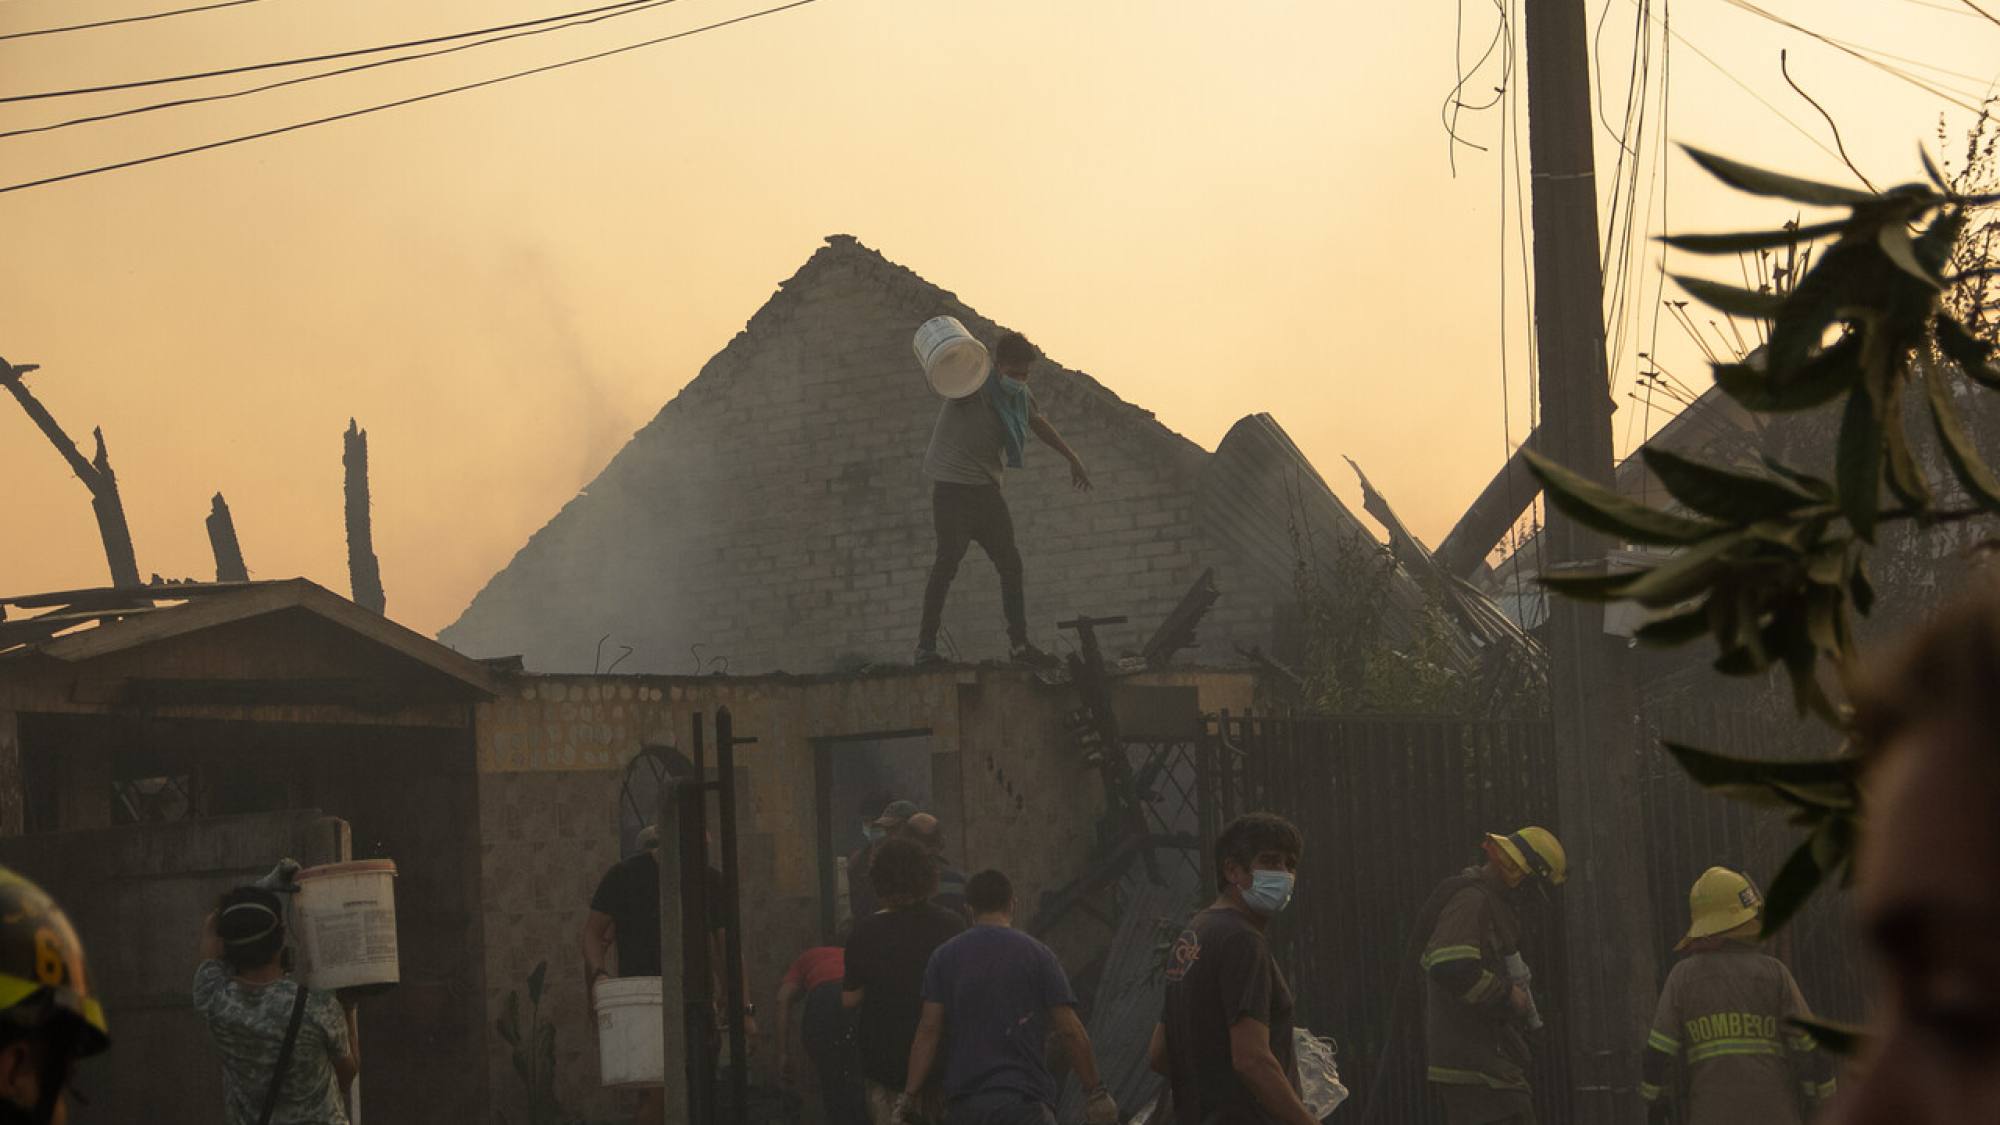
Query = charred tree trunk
x=95 y=474
x=364 y=573
x=222 y=540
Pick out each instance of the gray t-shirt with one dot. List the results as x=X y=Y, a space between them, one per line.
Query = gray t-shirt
x=969 y=440
x=247 y=1023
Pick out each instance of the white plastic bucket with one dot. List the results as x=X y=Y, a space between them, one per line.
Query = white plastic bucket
x=346 y=919
x=630 y=1048
x=954 y=361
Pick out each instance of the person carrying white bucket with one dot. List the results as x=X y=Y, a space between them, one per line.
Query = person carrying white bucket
x=976 y=437
x=287 y=1051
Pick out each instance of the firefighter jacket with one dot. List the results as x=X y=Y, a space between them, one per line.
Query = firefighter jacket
x=1720 y=1038
x=1472 y=1034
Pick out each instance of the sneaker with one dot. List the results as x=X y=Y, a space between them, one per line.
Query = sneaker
x=1027 y=654
x=928 y=658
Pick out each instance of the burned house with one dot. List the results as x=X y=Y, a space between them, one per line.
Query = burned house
x=159 y=745
x=774 y=512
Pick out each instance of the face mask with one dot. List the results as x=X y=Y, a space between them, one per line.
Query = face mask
x=1269 y=892
x=872 y=833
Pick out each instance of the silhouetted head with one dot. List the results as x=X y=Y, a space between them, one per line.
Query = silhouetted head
x=901 y=872
x=1014 y=354
x=989 y=892
x=251 y=923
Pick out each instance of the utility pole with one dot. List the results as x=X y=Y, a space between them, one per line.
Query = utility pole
x=1606 y=910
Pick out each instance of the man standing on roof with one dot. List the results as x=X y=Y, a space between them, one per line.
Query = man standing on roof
x=963 y=464
x=1478 y=1007
x=1724 y=1011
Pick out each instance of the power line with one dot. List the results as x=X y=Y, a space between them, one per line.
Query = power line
x=124 y=19
x=400 y=102
x=1906 y=76
x=643 y=5
x=356 y=52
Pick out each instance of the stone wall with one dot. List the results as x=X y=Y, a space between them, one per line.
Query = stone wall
x=1006 y=783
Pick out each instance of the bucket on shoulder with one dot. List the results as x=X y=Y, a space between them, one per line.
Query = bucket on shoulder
x=347 y=925
x=954 y=361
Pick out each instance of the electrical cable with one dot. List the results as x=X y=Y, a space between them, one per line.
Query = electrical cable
x=1903 y=75
x=177 y=103
x=355 y=53
x=125 y=19
x=398 y=103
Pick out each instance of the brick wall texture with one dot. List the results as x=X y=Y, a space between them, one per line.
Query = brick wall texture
x=775 y=511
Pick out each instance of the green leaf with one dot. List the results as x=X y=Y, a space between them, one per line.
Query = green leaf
x=1959 y=450
x=1842 y=1039
x=1839 y=280
x=1589 y=587
x=1894 y=239
x=1753 y=303
x=1931 y=170
x=1905 y=479
x=1794 y=884
x=1759 y=181
x=1860 y=591
x=535 y=980
x=1806 y=482
x=1710 y=770
x=1725 y=495
x=1747 y=241
x=1859 y=465
x=1968 y=351
x=1684 y=574
x=1601 y=509
x=1674 y=629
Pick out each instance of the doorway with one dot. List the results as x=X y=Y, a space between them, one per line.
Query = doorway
x=852 y=771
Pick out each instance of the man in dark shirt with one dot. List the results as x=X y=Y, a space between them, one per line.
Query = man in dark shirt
x=994 y=995
x=886 y=956
x=624 y=922
x=963 y=464
x=925 y=829
x=1224 y=1041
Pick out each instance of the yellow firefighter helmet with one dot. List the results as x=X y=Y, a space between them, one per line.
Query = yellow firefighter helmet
x=1536 y=851
x=1722 y=900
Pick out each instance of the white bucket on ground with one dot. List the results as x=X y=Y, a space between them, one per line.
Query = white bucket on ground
x=954 y=361
x=631 y=1049
x=346 y=918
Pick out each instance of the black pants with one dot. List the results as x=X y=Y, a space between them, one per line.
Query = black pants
x=828 y=1034
x=965 y=514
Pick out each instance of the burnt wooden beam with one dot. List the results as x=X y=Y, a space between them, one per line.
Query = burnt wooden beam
x=1506 y=496
x=1177 y=631
x=229 y=566
x=364 y=572
x=95 y=474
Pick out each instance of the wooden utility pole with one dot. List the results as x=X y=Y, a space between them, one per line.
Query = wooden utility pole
x=1606 y=910
x=222 y=540
x=364 y=573
x=95 y=474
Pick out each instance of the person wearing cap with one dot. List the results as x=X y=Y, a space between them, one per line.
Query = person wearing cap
x=861 y=899
x=872 y=834
x=964 y=465
x=251 y=1006
x=1721 y=1044
x=49 y=1018
x=1478 y=1006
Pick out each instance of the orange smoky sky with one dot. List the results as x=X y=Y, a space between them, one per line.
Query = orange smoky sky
x=1214 y=209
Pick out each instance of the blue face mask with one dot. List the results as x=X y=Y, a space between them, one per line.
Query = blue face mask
x=873 y=833
x=1269 y=892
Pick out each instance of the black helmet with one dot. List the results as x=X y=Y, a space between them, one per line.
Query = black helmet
x=42 y=977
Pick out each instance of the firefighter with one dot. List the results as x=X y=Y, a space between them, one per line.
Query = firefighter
x=1479 y=1007
x=48 y=1017
x=1723 y=1014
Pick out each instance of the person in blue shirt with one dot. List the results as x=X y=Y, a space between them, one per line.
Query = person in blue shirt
x=993 y=995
